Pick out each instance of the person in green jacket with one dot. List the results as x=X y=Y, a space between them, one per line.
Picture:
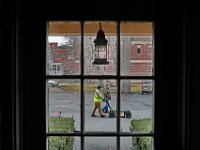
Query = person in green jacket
x=97 y=101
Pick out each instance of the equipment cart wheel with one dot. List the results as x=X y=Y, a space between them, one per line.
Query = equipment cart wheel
x=128 y=114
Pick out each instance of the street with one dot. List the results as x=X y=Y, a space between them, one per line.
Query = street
x=141 y=106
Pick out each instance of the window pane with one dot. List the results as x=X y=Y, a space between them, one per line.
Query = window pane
x=100 y=143
x=136 y=143
x=100 y=57
x=136 y=44
x=63 y=48
x=98 y=123
x=137 y=98
x=63 y=99
x=64 y=143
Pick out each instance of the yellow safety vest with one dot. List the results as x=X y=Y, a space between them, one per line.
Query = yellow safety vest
x=96 y=97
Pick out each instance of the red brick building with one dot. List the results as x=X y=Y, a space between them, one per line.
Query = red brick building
x=136 y=55
x=141 y=56
x=63 y=60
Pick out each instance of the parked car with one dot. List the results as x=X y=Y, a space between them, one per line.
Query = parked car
x=147 y=86
x=52 y=83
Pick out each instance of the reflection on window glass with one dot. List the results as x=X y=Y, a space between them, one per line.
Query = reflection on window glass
x=64 y=105
x=97 y=116
x=136 y=49
x=100 y=143
x=137 y=97
x=63 y=48
x=64 y=143
x=100 y=48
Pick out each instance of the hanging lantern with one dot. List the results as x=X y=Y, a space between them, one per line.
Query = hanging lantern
x=100 y=49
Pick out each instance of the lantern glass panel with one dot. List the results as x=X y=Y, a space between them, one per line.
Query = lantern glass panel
x=100 y=52
x=100 y=48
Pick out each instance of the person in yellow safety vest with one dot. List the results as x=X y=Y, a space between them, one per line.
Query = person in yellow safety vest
x=97 y=101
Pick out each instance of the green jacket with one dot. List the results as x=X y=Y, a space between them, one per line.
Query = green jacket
x=107 y=93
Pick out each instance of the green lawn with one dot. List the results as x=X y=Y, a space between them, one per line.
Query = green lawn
x=90 y=88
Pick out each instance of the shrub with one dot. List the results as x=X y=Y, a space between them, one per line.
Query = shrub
x=141 y=126
x=62 y=124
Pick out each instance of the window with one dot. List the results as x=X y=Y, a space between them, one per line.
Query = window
x=138 y=50
x=100 y=53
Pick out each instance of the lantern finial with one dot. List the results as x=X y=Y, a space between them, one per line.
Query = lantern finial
x=100 y=25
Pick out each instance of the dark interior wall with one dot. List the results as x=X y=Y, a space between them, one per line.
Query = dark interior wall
x=168 y=42
x=193 y=47
x=7 y=24
x=29 y=38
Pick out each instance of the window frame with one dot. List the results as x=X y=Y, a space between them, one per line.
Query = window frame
x=118 y=77
x=29 y=86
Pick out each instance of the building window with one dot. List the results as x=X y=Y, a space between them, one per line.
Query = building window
x=138 y=50
x=128 y=119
